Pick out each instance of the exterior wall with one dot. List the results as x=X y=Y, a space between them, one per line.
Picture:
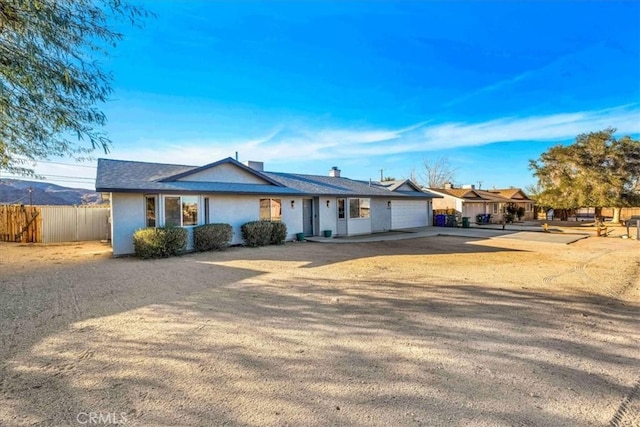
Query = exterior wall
x=127 y=215
x=237 y=210
x=358 y=226
x=380 y=215
x=225 y=173
x=447 y=202
x=327 y=216
x=529 y=210
x=472 y=209
x=290 y=216
x=405 y=187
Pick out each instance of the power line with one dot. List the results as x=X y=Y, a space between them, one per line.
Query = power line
x=76 y=181
x=50 y=175
x=67 y=176
x=66 y=164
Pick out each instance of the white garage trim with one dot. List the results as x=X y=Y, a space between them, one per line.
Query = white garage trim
x=409 y=214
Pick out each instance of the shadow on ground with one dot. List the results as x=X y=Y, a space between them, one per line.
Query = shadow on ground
x=186 y=341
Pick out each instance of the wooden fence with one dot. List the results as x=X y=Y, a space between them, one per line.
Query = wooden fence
x=53 y=224
x=20 y=224
x=625 y=213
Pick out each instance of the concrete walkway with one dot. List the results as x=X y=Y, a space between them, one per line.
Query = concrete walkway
x=516 y=232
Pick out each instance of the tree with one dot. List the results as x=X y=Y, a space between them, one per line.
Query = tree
x=50 y=82
x=597 y=170
x=437 y=173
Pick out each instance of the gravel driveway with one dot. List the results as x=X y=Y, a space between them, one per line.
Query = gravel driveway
x=435 y=331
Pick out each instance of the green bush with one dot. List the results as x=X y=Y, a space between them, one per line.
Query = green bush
x=176 y=240
x=257 y=233
x=159 y=242
x=212 y=236
x=148 y=243
x=278 y=233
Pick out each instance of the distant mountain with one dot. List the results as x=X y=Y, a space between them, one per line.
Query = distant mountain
x=15 y=191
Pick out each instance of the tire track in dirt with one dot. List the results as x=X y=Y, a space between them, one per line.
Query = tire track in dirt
x=581 y=269
x=628 y=413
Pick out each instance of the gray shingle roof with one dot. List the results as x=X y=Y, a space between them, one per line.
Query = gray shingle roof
x=129 y=176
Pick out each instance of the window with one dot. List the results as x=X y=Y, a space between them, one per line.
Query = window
x=341 y=209
x=359 y=208
x=181 y=211
x=496 y=207
x=151 y=211
x=271 y=209
x=206 y=211
x=172 y=211
x=189 y=210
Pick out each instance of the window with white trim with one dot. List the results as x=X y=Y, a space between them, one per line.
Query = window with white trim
x=181 y=211
x=207 y=213
x=151 y=209
x=271 y=209
x=359 y=208
x=341 y=209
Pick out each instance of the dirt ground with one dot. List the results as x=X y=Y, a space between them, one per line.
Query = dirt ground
x=436 y=331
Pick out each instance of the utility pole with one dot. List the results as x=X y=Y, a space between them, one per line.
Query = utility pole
x=381 y=170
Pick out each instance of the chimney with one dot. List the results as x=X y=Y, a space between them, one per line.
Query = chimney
x=257 y=166
x=448 y=185
x=334 y=172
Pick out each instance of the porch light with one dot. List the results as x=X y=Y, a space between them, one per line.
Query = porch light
x=293 y=204
x=328 y=203
x=389 y=204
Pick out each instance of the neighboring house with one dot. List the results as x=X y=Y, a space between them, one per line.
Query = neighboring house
x=469 y=201
x=227 y=191
x=517 y=197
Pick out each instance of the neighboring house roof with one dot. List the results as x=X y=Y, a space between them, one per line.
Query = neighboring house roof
x=128 y=176
x=474 y=195
x=511 y=193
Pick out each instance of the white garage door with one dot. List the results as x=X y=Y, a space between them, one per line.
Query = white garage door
x=408 y=213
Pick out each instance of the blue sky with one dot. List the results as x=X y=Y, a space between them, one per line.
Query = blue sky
x=304 y=86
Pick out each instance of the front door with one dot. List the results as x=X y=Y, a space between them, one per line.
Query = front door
x=342 y=217
x=307 y=217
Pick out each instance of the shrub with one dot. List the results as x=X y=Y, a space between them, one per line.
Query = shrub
x=159 y=242
x=278 y=233
x=257 y=233
x=176 y=240
x=148 y=243
x=212 y=236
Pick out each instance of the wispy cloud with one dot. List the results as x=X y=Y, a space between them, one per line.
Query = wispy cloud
x=299 y=142
x=555 y=70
